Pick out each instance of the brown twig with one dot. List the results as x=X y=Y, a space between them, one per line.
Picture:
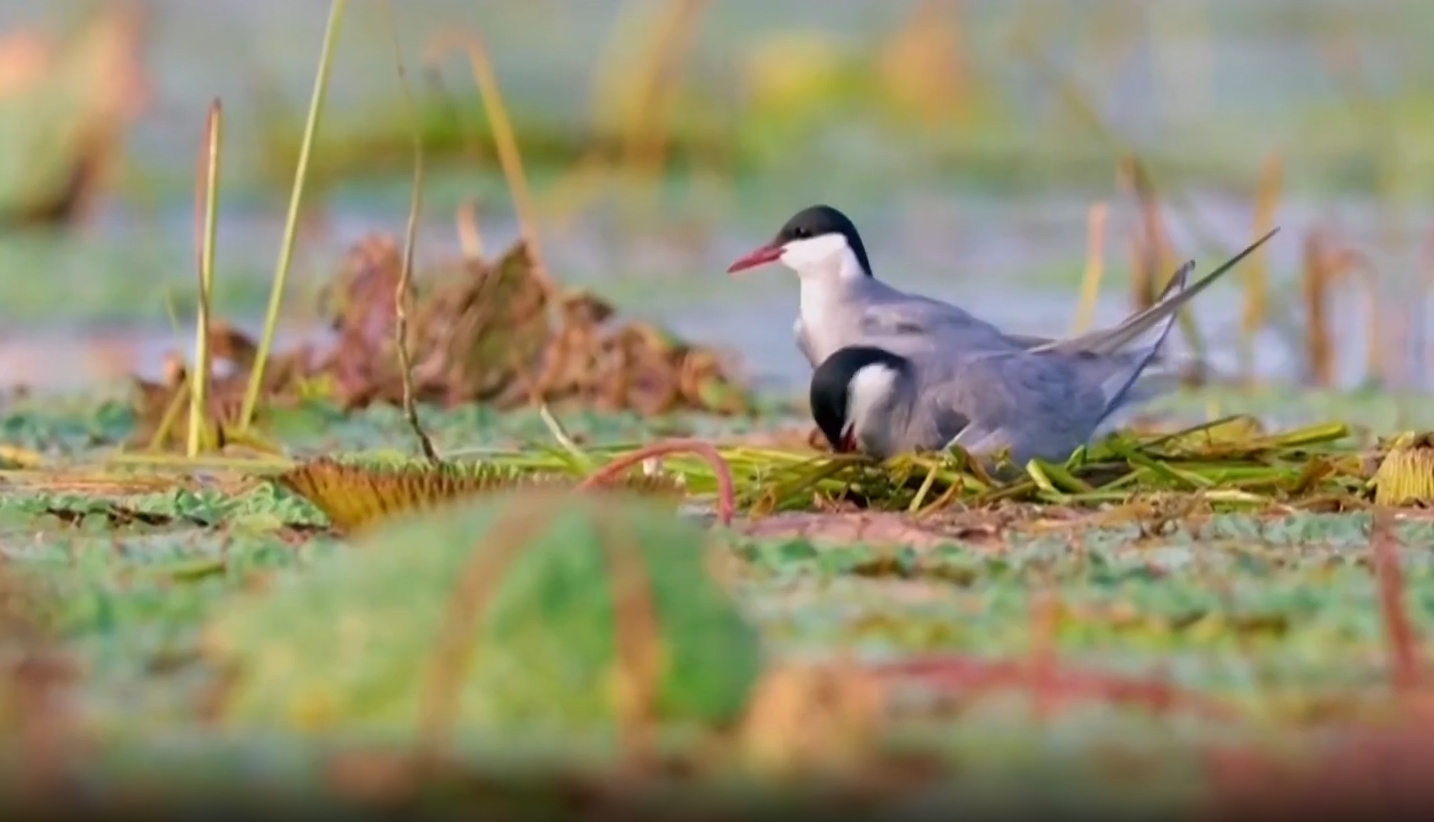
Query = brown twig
x=402 y=291
x=1318 y=276
x=1403 y=644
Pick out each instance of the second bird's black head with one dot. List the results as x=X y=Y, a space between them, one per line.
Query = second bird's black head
x=831 y=389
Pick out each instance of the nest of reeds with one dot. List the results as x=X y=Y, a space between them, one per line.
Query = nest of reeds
x=1228 y=461
x=1232 y=461
x=1406 y=471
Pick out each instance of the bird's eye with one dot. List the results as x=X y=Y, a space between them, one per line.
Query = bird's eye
x=801 y=233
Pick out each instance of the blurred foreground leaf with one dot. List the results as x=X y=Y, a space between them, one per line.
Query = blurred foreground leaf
x=352 y=642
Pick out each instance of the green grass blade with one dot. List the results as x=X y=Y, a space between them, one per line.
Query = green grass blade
x=291 y=224
x=209 y=203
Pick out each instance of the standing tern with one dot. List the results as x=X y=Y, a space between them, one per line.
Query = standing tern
x=1037 y=399
x=843 y=304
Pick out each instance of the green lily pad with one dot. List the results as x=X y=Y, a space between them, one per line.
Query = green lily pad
x=351 y=641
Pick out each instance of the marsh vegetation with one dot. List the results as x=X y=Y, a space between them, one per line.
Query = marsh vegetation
x=492 y=524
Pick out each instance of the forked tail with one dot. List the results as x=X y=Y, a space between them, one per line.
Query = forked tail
x=1131 y=385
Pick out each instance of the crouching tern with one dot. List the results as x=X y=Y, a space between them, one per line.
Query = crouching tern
x=884 y=395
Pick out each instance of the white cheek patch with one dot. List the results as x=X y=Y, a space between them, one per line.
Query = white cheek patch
x=869 y=388
x=824 y=254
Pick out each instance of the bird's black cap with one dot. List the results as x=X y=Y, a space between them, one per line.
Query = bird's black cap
x=817 y=220
x=831 y=387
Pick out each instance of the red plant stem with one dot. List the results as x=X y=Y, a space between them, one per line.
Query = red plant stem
x=1045 y=612
x=1389 y=574
x=726 y=488
x=973 y=676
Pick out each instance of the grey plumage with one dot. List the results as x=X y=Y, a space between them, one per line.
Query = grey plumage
x=897 y=371
x=1034 y=403
x=960 y=381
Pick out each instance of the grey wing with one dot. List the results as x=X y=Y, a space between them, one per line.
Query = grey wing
x=935 y=423
x=1028 y=341
x=1035 y=405
x=917 y=324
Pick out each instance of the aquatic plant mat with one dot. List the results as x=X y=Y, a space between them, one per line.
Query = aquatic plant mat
x=1219 y=619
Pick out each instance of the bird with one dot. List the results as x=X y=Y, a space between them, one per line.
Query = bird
x=842 y=303
x=1040 y=400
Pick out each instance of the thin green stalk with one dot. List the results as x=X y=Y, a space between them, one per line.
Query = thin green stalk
x=583 y=461
x=171 y=413
x=171 y=311
x=921 y=492
x=1058 y=475
x=209 y=203
x=291 y=225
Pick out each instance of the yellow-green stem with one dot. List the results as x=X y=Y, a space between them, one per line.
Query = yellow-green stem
x=199 y=396
x=1094 y=267
x=291 y=225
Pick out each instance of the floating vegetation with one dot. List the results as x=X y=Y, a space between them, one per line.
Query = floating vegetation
x=1406 y=472
x=354 y=495
x=1227 y=463
x=1158 y=591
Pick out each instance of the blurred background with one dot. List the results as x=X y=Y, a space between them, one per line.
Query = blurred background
x=988 y=150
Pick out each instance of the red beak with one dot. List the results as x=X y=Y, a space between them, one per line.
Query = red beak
x=762 y=256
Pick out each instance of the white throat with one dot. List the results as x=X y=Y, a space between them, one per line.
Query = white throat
x=825 y=259
x=826 y=268
x=871 y=388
